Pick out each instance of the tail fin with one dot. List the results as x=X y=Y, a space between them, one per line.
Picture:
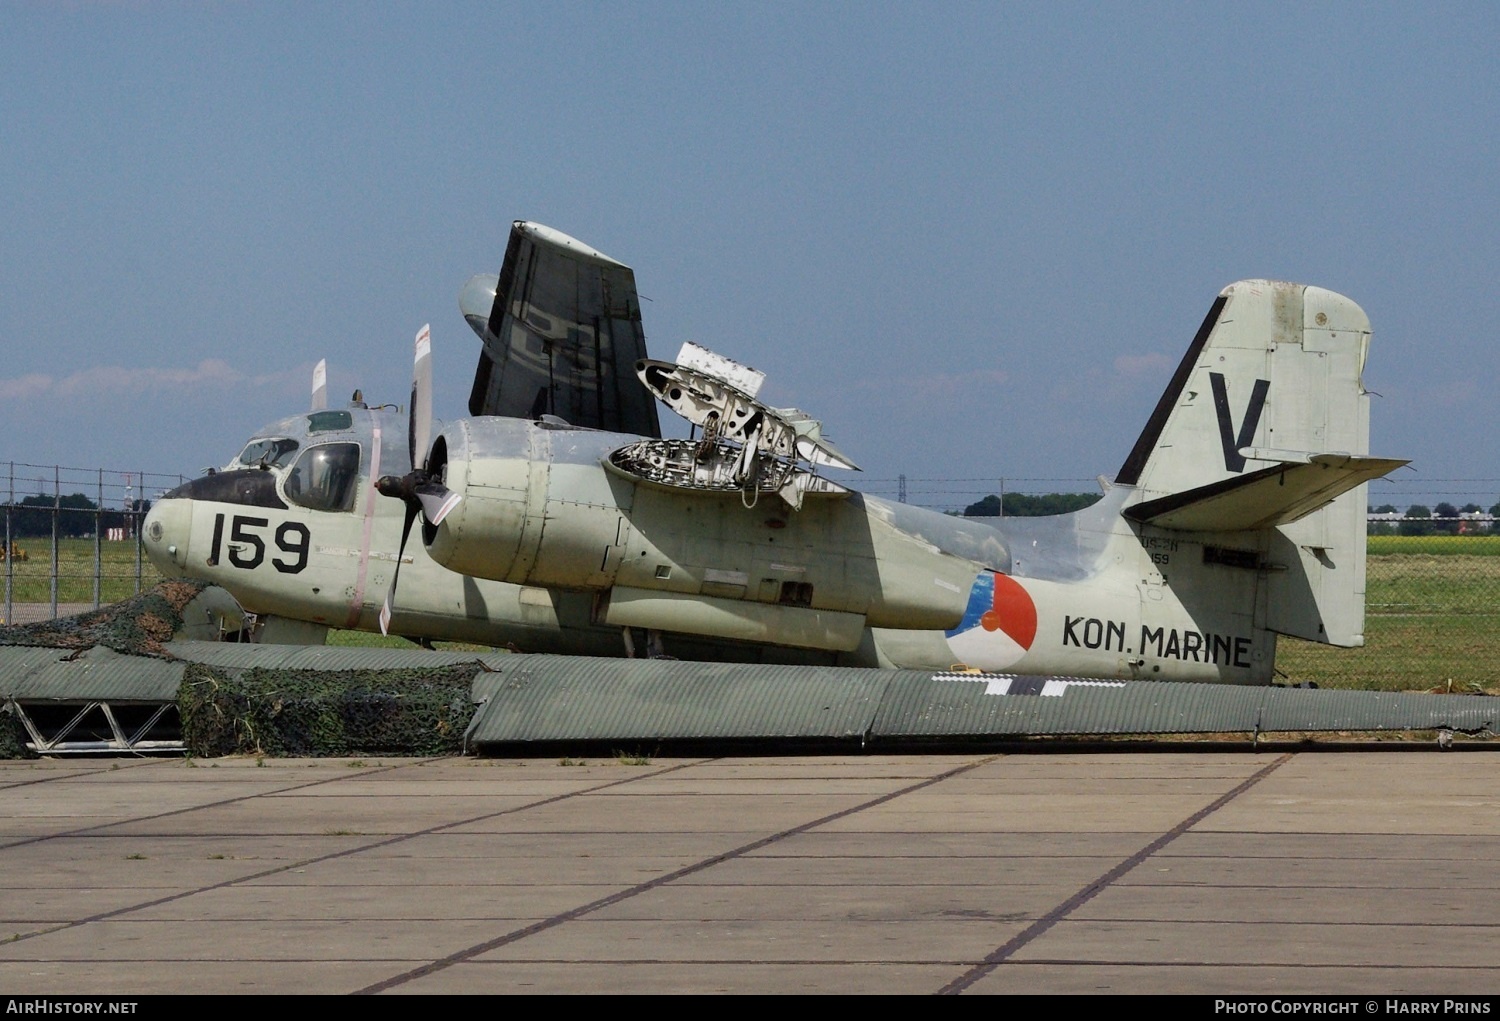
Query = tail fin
x=1264 y=431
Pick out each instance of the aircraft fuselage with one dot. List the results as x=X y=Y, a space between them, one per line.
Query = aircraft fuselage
x=553 y=549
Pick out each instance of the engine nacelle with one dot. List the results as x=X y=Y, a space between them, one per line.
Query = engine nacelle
x=528 y=514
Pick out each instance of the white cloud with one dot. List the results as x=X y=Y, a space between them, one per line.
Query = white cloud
x=22 y=387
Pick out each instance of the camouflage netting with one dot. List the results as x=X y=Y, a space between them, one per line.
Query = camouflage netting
x=326 y=712
x=13 y=738
x=141 y=625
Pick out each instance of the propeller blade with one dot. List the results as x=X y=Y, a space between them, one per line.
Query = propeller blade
x=390 y=595
x=320 y=386
x=419 y=431
x=416 y=489
x=436 y=500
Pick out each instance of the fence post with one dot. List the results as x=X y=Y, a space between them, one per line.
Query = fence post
x=56 y=515
x=99 y=541
x=10 y=567
x=137 y=516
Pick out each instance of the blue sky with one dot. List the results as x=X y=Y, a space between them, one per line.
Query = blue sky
x=973 y=239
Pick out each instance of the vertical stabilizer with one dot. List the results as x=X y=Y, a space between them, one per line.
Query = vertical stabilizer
x=1262 y=438
x=1273 y=375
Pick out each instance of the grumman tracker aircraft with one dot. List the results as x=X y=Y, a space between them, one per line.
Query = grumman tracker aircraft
x=557 y=519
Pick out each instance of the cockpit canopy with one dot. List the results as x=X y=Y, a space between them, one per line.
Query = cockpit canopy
x=276 y=451
x=267 y=452
x=324 y=477
x=314 y=460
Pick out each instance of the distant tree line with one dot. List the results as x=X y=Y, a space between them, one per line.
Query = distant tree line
x=1023 y=505
x=31 y=517
x=1440 y=519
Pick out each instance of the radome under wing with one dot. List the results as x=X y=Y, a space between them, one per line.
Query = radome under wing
x=562 y=332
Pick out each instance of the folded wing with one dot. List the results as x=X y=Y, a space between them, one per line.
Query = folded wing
x=561 y=327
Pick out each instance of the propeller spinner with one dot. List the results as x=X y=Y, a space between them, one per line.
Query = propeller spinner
x=419 y=489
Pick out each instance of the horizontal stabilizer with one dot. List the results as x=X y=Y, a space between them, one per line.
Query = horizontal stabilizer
x=1272 y=496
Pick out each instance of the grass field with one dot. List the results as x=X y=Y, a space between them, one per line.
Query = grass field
x=31 y=578
x=1432 y=620
x=1432 y=615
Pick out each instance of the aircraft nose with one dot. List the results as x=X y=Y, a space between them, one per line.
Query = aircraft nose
x=167 y=528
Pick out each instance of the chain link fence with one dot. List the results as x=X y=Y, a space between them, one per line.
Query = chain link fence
x=70 y=539
x=1432 y=620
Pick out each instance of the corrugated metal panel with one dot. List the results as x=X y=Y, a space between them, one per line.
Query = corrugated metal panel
x=97 y=674
x=317 y=657
x=1379 y=710
x=551 y=698
x=18 y=661
x=547 y=698
x=956 y=705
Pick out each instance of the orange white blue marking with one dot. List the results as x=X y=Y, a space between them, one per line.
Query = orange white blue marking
x=998 y=625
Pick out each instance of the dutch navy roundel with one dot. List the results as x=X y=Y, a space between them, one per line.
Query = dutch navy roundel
x=999 y=624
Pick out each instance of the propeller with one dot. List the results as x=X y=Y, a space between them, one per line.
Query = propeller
x=320 y=386
x=418 y=489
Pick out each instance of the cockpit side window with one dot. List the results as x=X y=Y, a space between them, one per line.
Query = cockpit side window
x=268 y=452
x=324 y=477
